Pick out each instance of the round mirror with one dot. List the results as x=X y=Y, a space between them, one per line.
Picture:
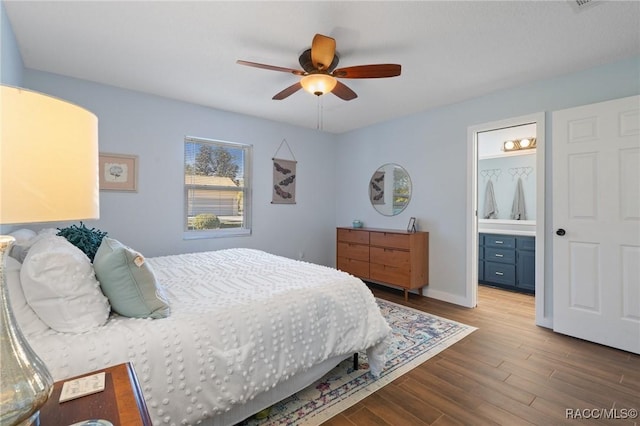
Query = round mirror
x=390 y=189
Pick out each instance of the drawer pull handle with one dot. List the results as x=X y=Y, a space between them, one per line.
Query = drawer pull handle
x=500 y=273
x=499 y=255
x=499 y=242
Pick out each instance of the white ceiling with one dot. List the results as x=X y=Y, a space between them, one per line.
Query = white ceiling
x=450 y=51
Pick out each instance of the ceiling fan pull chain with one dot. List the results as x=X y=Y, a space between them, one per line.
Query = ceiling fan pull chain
x=319 y=123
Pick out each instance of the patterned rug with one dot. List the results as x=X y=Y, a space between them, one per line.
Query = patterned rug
x=416 y=337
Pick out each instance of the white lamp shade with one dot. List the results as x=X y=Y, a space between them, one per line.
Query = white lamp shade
x=48 y=159
x=318 y=84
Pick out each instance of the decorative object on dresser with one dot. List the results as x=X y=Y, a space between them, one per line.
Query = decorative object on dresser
x=507 y=261
x=411 y=227
x=385 y=256
x=48 y=173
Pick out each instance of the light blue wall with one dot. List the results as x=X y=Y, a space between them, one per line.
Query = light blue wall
x=154 y=128
x=11 y=68
x=333 y=170
x=504 y=186
x=432 y=146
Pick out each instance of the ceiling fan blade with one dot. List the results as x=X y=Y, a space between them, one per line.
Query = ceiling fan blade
x=323 y=49
x=287 y=92
x=343 y=92
x=369 y=71
x=270 y=67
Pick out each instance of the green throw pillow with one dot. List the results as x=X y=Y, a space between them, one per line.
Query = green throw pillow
x=128 y=281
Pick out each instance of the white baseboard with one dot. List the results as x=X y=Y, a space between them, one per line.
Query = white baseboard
x=448 y=297
x=434 y=294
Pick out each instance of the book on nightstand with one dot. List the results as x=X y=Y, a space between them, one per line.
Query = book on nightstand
x=83 y=386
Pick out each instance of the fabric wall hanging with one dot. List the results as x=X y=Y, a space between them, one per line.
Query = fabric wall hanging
x=284 y=178
x=376 y=188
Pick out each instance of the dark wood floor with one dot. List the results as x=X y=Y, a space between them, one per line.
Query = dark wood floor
x=508 y=372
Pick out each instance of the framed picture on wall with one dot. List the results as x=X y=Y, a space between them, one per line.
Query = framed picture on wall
x=118 y=172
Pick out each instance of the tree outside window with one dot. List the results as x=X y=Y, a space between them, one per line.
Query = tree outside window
x=216 y=188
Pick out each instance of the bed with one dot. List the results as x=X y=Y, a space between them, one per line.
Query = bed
x=246 y=329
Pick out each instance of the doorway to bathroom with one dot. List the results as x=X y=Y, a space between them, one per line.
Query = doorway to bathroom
x=506 y=208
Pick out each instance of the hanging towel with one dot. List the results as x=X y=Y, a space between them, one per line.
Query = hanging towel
x=518 y=211
x=490 y=205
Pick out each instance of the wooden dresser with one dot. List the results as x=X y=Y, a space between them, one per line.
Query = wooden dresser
x=385 y=256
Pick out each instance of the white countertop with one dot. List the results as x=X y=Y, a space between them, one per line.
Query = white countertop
x=507 y=232
x=507 y=227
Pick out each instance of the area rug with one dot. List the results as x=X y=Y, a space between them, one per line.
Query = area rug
x=416 y=337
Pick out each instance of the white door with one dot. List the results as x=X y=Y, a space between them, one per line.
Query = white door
x=596 y=220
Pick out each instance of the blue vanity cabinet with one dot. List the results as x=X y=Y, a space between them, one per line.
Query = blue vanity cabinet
x=481 y=258
x=526 y=263
x=507 y=261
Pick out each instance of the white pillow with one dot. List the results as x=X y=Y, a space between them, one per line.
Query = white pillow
x=59 y=284
x=28 y=321
x=21 y=245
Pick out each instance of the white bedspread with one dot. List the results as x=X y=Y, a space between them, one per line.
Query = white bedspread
x=242 y=321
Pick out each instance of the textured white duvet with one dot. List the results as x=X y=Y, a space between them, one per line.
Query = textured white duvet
x=241 y=322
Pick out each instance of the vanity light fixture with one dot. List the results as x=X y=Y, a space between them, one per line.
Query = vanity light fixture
x=519 y=144
x=509 y=145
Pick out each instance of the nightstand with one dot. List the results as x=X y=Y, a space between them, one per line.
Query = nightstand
x=121 y=402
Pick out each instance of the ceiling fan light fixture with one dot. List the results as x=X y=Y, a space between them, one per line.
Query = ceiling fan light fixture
x=318 y=84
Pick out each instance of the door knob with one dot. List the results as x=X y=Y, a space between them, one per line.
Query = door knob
x=560 y=232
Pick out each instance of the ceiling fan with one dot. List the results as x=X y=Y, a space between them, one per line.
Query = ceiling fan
x=320 y=74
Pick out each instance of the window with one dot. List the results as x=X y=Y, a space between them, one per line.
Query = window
x=217 y=188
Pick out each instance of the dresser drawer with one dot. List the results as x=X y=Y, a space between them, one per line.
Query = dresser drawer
x=354 y=267
x=500 y=273
x=390 y=274
x=390 y=257
x=353 y=251
x=353 y=236
x=385 y=239
x=499 y=255
x=500 y=241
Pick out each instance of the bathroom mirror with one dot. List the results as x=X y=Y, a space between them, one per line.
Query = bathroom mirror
x=390 y=189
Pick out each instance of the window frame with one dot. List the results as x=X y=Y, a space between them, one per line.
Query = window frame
x=245 y=229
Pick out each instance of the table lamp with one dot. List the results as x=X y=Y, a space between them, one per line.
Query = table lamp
x=48 y=173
